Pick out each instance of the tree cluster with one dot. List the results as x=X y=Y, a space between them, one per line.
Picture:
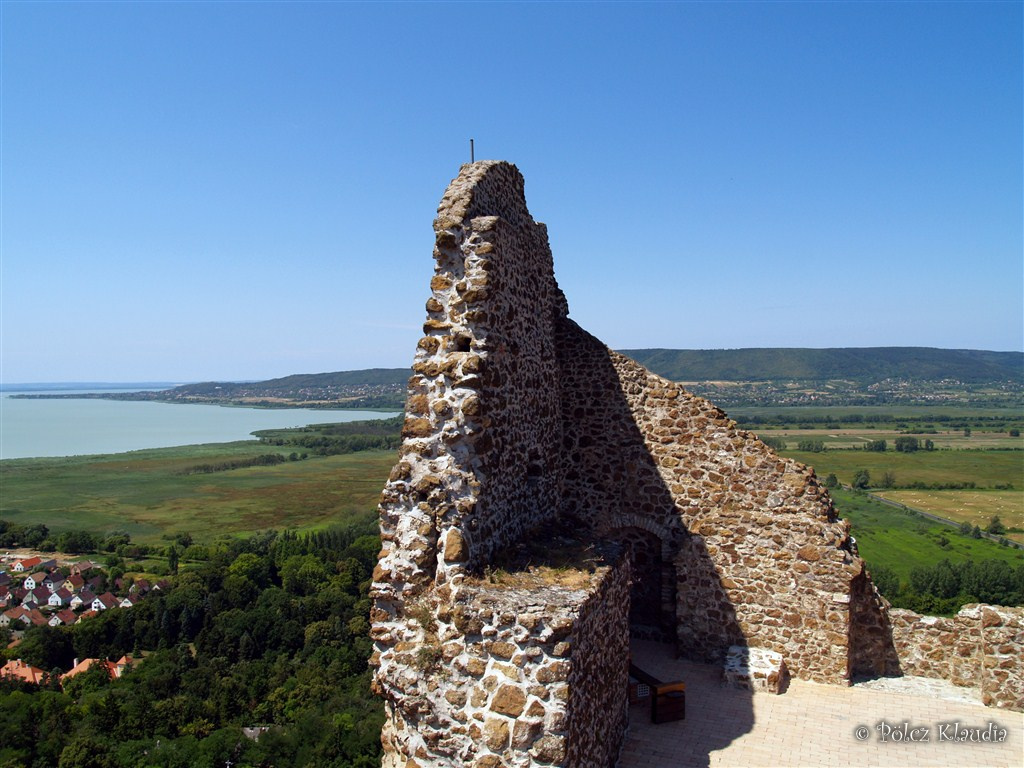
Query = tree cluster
x=38 y=536
x=944 y=587
x=270 y=633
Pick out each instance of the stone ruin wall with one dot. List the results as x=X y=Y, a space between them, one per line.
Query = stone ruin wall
x=980 y=647
x=482 y=415
x=517 y=419
x=759 y=556
x=516 y=675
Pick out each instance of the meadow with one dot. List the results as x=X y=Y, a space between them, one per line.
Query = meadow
x=998 y=477
x=901 y=541
x=156 y=494
x=986 y=469
x=975 y=508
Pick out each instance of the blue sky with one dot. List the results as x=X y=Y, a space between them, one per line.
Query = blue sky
x=245 y=190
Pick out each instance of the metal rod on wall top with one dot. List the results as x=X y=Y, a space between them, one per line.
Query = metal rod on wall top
x=472 y=156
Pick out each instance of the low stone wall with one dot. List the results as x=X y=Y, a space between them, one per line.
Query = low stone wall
x=981 y=646
x=599 y=675
x=517 y=673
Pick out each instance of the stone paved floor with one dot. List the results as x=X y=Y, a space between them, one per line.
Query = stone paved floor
x=810 y=724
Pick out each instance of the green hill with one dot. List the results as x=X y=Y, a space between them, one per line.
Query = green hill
x=858 y=364
x=287 y=386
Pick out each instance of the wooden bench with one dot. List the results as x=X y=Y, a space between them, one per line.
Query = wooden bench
x=668 y=700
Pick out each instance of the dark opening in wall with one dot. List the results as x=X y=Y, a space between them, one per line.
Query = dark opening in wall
x=460 y=343
x=652 y=595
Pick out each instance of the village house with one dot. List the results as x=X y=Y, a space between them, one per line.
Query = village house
x=64 y=618
x=34 y=580
x=130 y=600
x=59 y=598
x=74 y=582
x=53 y=581
x=104 y=601
x=39 y=596
x=85 y=597
x=82 y=567
x=21 y=616
x=114 y=669
x=18 y=669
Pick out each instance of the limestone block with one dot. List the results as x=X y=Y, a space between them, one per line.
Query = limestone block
x=755 y=669
x=509 y=700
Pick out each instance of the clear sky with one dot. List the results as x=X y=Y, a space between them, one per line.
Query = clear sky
x=195 y=191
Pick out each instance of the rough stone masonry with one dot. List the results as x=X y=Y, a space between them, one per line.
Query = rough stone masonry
x=525 y=434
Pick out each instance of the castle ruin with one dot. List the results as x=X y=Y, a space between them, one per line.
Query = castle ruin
x=552 y=497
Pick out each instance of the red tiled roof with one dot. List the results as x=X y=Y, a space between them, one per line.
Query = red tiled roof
x=18 y=668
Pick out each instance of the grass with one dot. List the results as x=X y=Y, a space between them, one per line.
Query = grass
x=903 y=540
x=147 y=494
x=974 y=507
x=984 y=468
x=799 y=413
x=987 y=469
x=848 y=437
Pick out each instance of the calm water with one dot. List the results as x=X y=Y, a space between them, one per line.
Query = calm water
x=31 y=428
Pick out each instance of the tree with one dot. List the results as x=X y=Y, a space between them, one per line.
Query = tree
x=831 y=481
x=172 y=559
x=34 y=535
x=876 y=445
x=967 y=431
x=888 y=480
x=929 y=445
x=976 y=532
x=886 y=579
x=1014 y=433
x=907 y=444
x=861 y=479
x=78 y=541
x=47 y=647
x=995 y=527
x=86 y=751
x=116 y=539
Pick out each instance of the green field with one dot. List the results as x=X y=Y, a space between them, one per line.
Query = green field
x=797 y=413
x=150 y=494
x=986 y=469
x=888 y=537
x=846 y=437
x=973 y=507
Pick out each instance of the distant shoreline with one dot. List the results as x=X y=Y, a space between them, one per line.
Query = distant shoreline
x=332 y=405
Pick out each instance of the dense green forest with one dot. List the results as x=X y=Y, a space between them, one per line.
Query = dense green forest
x=334 y=439
x=271 y=632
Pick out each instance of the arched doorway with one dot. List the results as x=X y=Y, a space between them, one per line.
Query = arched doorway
x=652 y=608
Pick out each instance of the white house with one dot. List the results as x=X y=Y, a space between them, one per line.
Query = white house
x=34 y=580
x=60 y=598
x=104 y=601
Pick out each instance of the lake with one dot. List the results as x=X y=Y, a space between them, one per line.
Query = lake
x=68 y=427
